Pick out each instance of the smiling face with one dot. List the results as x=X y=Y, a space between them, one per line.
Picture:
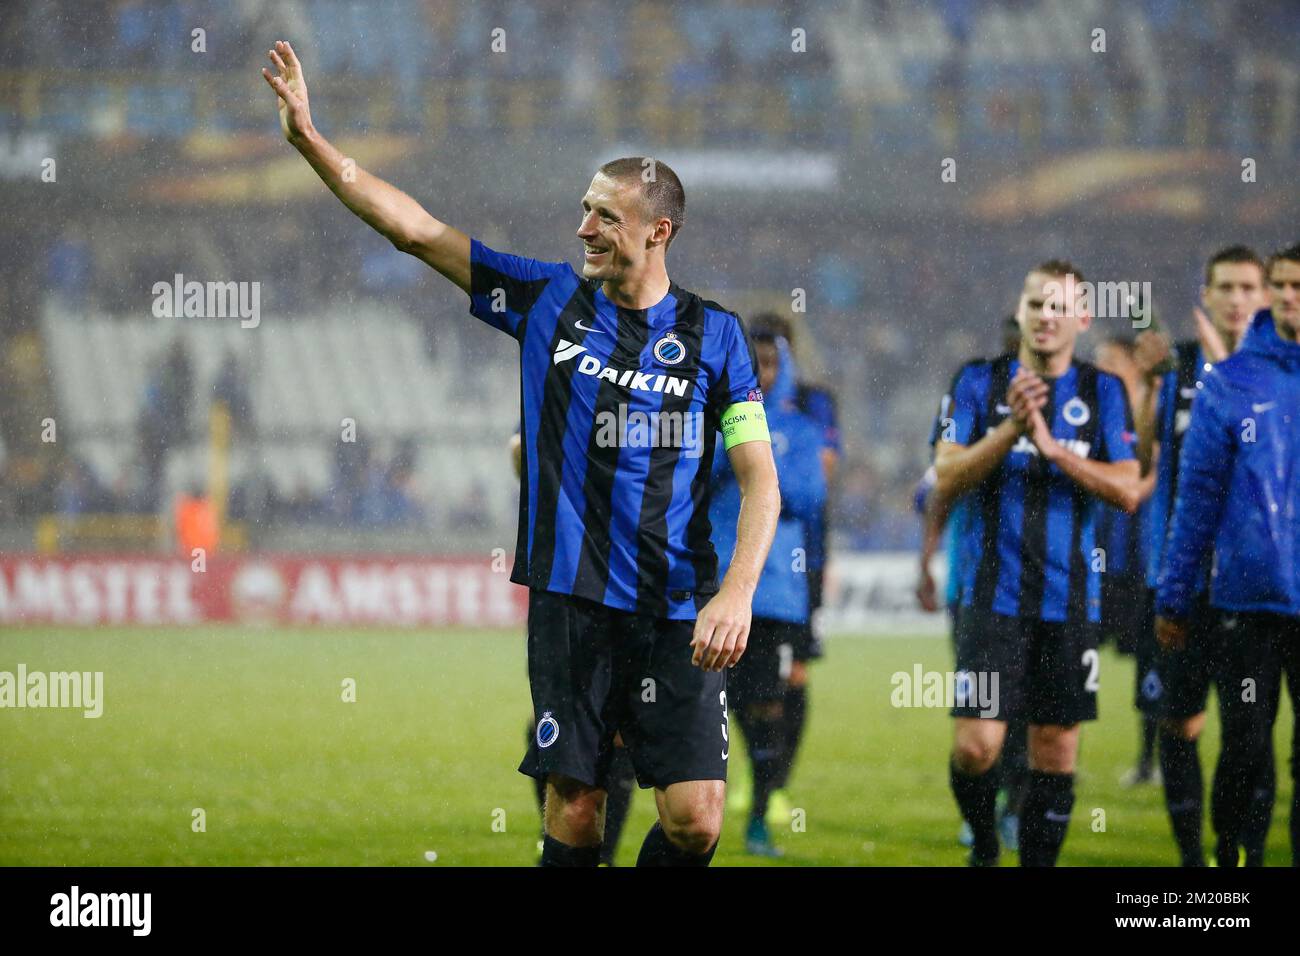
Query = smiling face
x=618 y=237
x=1051 y=313
x=1234 y=294
x=1284 y=291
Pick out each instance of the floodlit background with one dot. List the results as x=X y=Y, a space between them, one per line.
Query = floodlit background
x=139 y=146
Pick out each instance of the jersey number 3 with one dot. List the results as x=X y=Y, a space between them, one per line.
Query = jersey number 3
x=722 y=698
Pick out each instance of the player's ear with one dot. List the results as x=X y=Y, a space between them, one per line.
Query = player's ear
x=662 y=232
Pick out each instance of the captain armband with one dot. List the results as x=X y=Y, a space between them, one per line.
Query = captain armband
x=742 y=422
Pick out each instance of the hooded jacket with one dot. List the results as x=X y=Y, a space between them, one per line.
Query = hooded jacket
x=1239 y=484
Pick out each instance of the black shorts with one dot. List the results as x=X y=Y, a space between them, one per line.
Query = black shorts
x=595 y=671
x=1124 y=616
x=1176 y=684
x=763 y=671
x=1023 y=667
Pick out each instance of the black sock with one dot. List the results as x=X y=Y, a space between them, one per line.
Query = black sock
x=976 y=798
x=618 y=799
x=1230 y=795
x=1180 y=765
x=1259 y=814
x=764 y=740
x=658 y=850
x=1295 y=813
x=555 y=853
x=1295 y=777
x=1150 y=725
x=793 y=718
x=1015 y=765
x=1046 y=817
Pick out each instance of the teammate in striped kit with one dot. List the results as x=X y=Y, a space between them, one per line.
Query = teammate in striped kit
x=625 y=380
x=1176 y=684
x=1034 y=439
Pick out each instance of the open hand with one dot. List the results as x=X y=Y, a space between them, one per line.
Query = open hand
x=1209 y=337
x=1150 y=352
x=291 y=87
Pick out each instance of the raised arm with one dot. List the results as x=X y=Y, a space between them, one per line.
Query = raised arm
x=1151 y=353
x=385 y=208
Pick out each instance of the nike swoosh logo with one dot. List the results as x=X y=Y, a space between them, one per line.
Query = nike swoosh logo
x=1002 y=409
x=1262 y=406
x=585 y=328
x=1057 y=817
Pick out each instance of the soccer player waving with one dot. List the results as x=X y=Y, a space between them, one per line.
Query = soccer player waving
x=1239 y=493
x=625 y=377
x=1034 y=439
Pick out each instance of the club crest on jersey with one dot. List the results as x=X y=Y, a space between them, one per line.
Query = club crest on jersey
x=1076 y=412
x=669 y=349
x=548 y=730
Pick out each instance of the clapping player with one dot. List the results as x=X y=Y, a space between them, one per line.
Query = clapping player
x=1035 y=439
x=1175 y=685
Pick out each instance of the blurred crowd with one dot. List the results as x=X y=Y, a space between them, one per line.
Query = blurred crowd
x=892 y=309
x=891 y=313
x=902 y=74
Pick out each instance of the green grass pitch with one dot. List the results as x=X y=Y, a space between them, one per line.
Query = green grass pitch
x=250 y=726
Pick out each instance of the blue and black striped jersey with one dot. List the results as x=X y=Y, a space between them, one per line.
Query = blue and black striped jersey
x=619 y=414
x=1178 y=388
x=1028 y=531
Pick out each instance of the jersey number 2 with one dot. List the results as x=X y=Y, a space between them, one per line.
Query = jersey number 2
x=1092 y=660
